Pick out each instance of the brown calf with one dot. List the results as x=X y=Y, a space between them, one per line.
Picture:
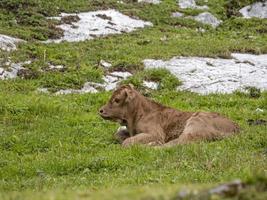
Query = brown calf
x=151 y=123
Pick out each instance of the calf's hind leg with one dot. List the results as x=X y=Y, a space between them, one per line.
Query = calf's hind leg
x=197 y=129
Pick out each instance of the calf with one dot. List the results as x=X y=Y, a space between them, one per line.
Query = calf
x=151 y=123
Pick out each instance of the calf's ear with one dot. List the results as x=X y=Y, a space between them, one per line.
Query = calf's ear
x=131 y=86
x=129 y=95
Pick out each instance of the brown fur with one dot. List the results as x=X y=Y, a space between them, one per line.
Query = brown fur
x=151 y=123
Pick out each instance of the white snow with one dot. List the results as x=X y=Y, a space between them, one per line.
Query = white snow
x=96 y=24
x=216 y=75
x=8 y=43
x=258 y=9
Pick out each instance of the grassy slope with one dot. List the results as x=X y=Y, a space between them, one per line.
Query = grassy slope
x=58 y=143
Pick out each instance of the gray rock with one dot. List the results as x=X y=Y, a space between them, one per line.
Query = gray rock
x=190 y=4
x=8 y=43
x=177 y=14
x=151 y=85
x=216 y=75
x=105 y=64
x=96 y=24
x=228 y=189
x=208 y=18
x=258 y=10
x=12 y=70
x=150 y=1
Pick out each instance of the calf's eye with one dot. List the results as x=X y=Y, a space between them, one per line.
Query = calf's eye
x=117 y=100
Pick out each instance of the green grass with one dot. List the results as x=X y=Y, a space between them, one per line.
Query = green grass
x=57 y=147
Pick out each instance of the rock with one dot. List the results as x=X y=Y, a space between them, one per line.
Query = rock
x=149 y=1
x=228 y=189
x=12 y=70
x=8 y=43
x=164 y=38
x=97 y=23
x=67 y=91
x=110 y=83
x=56 y=67
x=42 y=90
x=190 y=4
x=259 y=110
x=216 y=75
x=122 y=75
x=258 y=9
x=105 y=64
x=177 y=14
x=207 y=18
x=151 y=85
x=88 y=88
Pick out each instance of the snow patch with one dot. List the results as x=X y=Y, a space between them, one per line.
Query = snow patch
x=96 y=24
x=8 y=43
x=216 y=75
x=258 y=9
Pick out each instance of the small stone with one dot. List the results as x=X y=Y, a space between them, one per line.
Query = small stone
x=123 y=75
x=149 y=1
x=259 y=110
x=105 y=64
x=56 y=67
x=164 y=38
x=8 y=43
x=207 y=18
x=190 y=4
x=177 y=14
x=151 y=85
x=42 y=90
x=12 y=71
x=88 y=88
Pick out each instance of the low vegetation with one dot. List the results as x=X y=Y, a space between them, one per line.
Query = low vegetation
x=58 y=147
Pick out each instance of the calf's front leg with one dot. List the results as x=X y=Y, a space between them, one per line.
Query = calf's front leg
x=143 y=138
x=121 y=134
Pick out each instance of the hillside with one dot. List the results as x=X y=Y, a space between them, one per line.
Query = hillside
x=60 y=61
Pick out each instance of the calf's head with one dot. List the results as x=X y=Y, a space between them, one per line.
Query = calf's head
x=119 y=105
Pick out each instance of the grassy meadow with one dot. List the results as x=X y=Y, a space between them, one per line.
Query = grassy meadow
x=57 y=147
